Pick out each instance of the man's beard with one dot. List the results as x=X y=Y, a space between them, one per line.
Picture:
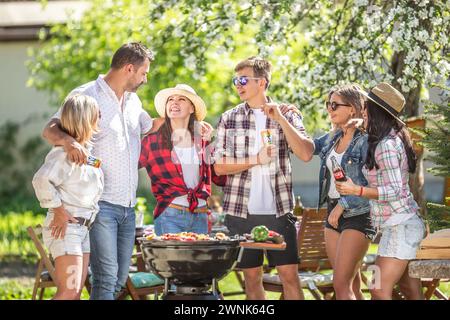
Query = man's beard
x=135 y=88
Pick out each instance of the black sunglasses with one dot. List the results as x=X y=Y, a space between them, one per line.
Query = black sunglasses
x=242 y=80
x=333 y=105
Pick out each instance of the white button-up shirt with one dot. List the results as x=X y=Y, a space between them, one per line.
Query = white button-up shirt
x=118 y=144
x=60 y=182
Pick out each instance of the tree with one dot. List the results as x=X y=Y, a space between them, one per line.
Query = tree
x=78 y=51
x=437 y=139
x=313 y=45
x=404 y=42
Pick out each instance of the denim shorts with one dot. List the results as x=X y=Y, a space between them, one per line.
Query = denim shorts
x=402 y=241
x=173 y=220
x=75 y=241
x=361 y=223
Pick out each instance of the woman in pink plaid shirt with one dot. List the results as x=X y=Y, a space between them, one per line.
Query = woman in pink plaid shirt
x=395 y=213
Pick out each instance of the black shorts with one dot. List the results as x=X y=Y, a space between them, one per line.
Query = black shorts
x=284 y=225
x=362 y=222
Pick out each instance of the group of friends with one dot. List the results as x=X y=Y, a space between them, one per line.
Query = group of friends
x=91 y=219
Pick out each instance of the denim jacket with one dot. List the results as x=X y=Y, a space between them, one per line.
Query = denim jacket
x=352 y=163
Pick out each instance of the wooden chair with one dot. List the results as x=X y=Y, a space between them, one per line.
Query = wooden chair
x=138 y=289
x=139 y=293
x=312 y=252
x=45 y=272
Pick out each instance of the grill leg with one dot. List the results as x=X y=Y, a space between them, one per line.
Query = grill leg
x=166 y=286
x=214 y=286
x=241 y=252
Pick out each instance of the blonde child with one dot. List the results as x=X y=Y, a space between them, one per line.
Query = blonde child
x=71 y=193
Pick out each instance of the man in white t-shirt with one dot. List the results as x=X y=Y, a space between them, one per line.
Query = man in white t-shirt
x=122 y=123
x=253 y=143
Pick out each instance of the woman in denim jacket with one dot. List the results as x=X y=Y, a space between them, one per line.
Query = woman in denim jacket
x=395 y=213
x=348 y=229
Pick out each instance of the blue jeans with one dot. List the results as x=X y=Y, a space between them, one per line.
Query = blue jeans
x=112 y=242
x=173 y=220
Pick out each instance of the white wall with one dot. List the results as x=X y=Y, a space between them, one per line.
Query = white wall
x=17 y=102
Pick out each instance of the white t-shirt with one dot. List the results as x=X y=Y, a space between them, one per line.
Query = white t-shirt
x=262 y=198
x=332 y=193
x=190 y=165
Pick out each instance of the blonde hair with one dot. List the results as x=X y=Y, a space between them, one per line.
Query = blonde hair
x=79 y=117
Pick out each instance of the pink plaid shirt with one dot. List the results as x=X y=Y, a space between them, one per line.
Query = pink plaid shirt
x=395 y=202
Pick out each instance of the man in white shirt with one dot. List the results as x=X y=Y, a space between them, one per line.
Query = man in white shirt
x=117 y=144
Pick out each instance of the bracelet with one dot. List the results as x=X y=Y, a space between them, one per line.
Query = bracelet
x=361 y=191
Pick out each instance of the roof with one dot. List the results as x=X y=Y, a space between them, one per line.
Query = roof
x=21 y=20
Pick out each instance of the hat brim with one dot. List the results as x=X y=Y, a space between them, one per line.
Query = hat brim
x=162 y=96
x=384 y=108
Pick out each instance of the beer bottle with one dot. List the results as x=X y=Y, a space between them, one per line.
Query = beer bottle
x=338 y=172
x=298 y=209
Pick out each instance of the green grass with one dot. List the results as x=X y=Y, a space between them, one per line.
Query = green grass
x=22 y=289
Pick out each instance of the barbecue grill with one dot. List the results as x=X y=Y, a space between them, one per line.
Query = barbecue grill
x=193 y=267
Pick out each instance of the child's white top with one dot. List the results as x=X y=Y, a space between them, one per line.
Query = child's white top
x=61 y=182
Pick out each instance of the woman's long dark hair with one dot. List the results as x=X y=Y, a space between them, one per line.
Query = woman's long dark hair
x=166 y=128
x=379 y=125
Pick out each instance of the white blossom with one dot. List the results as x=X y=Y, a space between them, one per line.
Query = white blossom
x=178 y=33
x=190 y=62
x=423 y=14
x=413 y=23
x=437 y=21
x=422 y=35
x=245 y=5
x=361 y=3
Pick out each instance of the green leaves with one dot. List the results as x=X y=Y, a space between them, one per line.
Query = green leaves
x=313 y=46
x=14 y=239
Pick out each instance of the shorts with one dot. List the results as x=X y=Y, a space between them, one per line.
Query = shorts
x=361 y=223
x=402 y=241
x=75 y=241
x=284 y=225
x=173 y=220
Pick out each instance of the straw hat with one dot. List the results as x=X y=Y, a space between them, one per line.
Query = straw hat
x=388 y=98
x=183 y=90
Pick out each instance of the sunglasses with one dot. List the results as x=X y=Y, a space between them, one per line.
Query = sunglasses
x=242 y=80
x=334 y=106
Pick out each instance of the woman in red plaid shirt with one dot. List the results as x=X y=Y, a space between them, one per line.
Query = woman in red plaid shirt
x=177 y=162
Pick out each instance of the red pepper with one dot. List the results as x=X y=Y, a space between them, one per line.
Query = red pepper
x=273 y=233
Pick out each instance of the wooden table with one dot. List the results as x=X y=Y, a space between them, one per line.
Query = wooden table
x=435 y=270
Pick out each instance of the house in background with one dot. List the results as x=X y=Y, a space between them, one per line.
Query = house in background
x=20 y=22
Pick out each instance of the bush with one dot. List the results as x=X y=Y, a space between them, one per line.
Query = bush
x=14 y=239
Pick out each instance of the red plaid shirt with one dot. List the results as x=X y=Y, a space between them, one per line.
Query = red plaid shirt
x=166 y=174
